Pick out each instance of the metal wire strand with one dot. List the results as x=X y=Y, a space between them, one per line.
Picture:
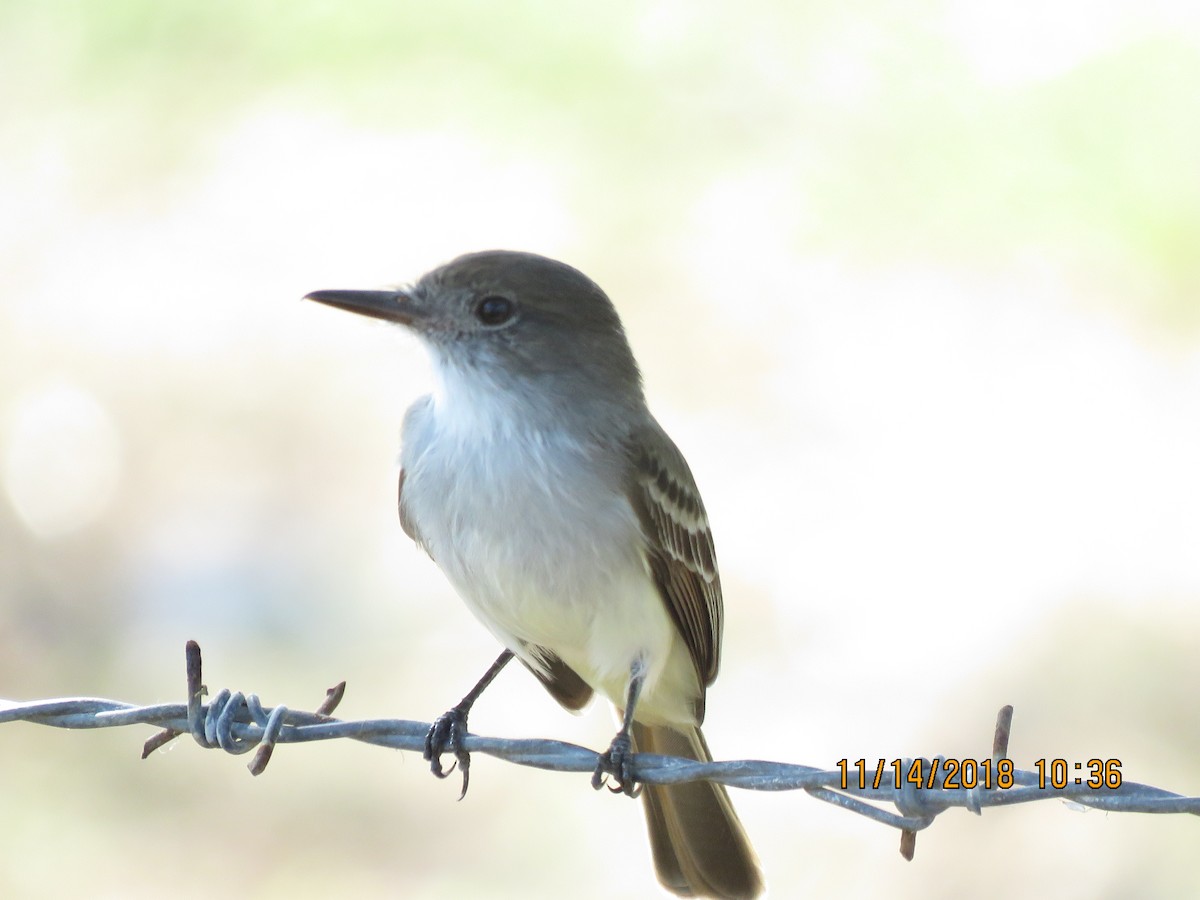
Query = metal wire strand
x=238 y=723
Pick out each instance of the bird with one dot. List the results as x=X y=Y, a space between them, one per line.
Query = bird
x=570 y=524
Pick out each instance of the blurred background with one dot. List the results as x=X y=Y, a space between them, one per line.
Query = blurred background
x=915 y=286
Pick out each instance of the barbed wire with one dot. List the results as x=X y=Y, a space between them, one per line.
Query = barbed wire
x=238 y=723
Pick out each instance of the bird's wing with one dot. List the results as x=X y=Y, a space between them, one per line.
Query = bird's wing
x=563 y=682
x=679 y=544
x=406 y=522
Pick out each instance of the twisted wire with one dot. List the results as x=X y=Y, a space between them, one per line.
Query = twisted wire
x=239 y=723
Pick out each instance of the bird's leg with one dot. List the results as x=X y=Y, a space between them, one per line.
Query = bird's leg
x=617 y=761
x=449 y=729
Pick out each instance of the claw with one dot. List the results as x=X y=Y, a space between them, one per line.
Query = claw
x=450 y=728
x=617 y=763
x=446 y=735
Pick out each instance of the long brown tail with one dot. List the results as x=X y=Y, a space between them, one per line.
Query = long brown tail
x=699 y=847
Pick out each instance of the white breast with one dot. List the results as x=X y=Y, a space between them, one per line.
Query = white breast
x=534 y=531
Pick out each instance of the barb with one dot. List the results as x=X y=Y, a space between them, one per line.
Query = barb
x=238 y=723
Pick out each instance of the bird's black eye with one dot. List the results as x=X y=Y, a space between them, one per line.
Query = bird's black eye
x=494 y=310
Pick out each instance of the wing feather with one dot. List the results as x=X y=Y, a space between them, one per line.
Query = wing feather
x=679 y=544
x=406 y=522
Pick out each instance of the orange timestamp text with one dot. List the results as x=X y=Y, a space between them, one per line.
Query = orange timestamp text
x=1000 y=774
x=938 y=772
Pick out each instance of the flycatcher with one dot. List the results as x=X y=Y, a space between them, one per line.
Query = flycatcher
x=570 y=524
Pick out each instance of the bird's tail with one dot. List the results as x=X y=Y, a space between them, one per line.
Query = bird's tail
x=698 y=843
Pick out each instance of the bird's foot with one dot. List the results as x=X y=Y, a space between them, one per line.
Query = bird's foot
x=446 y=736
x=617 y=763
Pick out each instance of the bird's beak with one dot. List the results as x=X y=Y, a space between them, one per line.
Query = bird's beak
x=392 y=306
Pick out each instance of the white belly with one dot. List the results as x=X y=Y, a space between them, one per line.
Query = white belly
x=546 y=553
